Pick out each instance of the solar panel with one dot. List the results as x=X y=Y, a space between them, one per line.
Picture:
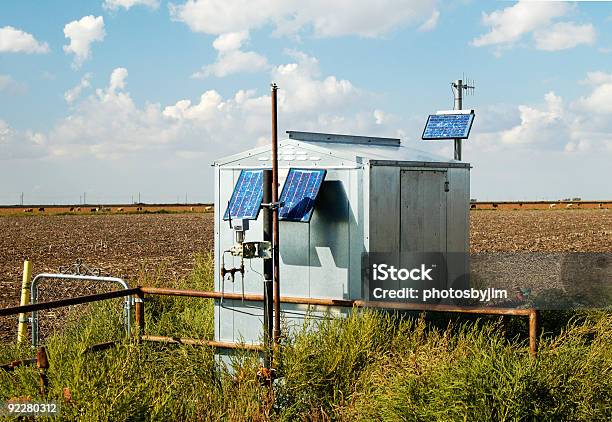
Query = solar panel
x=448 y=126
x=299 y=194
x=247 y=196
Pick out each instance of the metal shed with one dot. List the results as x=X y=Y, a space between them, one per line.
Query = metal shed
x=377 y=196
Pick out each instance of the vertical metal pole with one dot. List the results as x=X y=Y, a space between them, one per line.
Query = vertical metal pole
x=25 y=299
x=458 y=85
x=268 y=268
x=42 y=362
x=275 y=250
x=140 y=316
x=534 y=332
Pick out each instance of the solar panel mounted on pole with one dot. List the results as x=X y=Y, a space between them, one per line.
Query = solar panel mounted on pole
x=299 y=194
x=247 y=196
x=455 y=124
x=448 y=126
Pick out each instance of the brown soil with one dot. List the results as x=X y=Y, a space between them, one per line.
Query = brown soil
x=541 y=231
x=127 y=246
x=131 y=246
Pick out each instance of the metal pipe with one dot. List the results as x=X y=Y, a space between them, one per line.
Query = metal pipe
x=199 y=293
x=268 y=269
x=339 y=302
x=533 y=314
x=16 y=363
x=458 y=84
x=34 y=295
x=441 y=308
x=140 y=316
x=79 y=300
x=98 y=347
x=22 y=326
x=534 y=331
x=275 y=235
x=247 y=297
x=197 y=342
x=42 y=363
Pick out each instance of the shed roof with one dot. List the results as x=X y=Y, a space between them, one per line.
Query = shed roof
x=347 y=150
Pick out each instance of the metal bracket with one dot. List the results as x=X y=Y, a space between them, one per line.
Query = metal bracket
x=252 y=250
x=236 y=250
x=273 y=205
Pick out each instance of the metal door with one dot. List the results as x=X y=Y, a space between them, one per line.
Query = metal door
x=422 y=211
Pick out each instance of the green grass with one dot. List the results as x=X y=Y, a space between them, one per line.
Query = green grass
x=367 y=366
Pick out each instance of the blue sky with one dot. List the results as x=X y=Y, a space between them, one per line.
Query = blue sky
x=116 y=97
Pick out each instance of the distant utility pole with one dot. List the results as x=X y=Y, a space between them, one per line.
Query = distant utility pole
x=139 y=197
x=185 y=197
x=458 y=87
x=21 y=198
x=84 y=198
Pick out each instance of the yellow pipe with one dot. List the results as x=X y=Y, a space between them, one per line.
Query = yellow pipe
x=25 y=299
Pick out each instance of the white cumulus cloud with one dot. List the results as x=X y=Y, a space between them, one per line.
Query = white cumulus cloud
x=555 y=125
x=109 y=124
x=231 y=59
x=597 y=78
x=82 y=34
x=538 y=125
x=230 y=41
x=325 y=19
x=304 y=90
x=13 y=40
x=564 y=35
x=16 y=144
x=75 y=92
x=118 y=80
x=599 y=101
x=127 y=4
x=431 y=23
x=510 y=24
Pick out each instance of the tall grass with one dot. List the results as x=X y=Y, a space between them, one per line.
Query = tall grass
x=367 y=366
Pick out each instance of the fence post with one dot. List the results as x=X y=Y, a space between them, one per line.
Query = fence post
x=534 y=332
x=22 y=328
x=42 y=362
x=140 y=317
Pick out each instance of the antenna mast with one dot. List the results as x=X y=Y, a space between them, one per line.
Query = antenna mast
x=458 y=87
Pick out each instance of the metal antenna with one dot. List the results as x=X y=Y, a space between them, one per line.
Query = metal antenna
x=458 y=88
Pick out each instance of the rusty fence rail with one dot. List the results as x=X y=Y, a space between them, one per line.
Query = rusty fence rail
x=60 y=303
x=141 y=292
x=533 y=314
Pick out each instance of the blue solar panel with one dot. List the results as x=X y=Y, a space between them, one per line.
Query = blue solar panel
x=299 y=194
x=247 y=196
x=448 y=126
